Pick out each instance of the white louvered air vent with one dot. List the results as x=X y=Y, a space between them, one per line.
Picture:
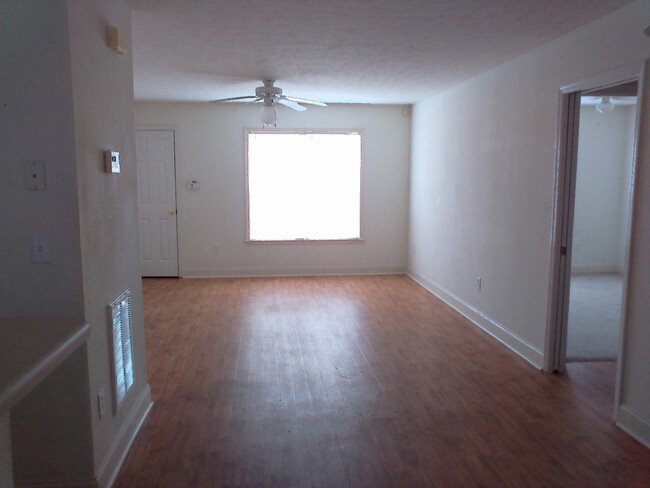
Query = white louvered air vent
x=123 y=375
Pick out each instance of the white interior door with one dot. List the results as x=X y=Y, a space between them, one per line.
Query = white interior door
x=157 y=202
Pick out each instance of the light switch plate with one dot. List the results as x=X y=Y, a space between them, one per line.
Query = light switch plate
x=39 y=248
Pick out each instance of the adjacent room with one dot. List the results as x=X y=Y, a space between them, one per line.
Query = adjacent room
x=601 y=223
x=344 y=243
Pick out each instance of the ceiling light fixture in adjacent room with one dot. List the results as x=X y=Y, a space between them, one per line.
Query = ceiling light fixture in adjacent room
x=605 y=106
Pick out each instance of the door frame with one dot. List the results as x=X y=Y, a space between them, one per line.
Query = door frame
x=563 y=210
x=177 y=184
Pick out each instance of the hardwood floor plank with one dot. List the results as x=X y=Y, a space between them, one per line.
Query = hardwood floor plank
x=359 y=382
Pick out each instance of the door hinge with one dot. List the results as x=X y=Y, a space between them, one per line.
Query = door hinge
x=563 y=251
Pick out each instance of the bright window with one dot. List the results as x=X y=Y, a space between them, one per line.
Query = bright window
x=304 y=186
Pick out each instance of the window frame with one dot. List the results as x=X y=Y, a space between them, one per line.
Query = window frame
x=359 y=132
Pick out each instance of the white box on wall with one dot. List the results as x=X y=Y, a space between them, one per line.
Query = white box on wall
x=112 y=161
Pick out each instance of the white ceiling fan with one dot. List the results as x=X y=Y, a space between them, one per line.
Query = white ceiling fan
x=270 y=95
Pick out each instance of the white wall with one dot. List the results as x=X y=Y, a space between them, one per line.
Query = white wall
x=66 y=98
x=102 y=83
x=34 y=125
x=482 y=182
x=602 y=190
x=210 y=147
x=634 y=414
x=37 y=124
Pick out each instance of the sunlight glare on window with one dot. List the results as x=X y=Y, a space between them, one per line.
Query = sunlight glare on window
x=304 y=186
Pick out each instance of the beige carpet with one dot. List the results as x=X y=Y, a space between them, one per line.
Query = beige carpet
x=594 y=316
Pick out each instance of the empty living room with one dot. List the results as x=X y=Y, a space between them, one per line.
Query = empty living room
x=353 y=243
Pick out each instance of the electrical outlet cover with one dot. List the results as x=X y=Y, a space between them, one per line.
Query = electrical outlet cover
x=34 y=172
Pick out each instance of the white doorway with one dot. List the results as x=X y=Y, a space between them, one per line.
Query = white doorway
x=563 y=221
x=564 y=214
x=601 y=218
x=157 y=202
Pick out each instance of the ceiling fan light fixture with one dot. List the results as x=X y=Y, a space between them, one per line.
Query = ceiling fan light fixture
x=267 y=114
x=605 y=106
x=270 y=94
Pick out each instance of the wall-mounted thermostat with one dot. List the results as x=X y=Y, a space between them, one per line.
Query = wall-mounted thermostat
x=192 y=185
x=112 y=161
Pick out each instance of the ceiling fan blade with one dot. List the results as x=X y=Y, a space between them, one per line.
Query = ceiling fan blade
x=291 y=104
x=251 y=98
x=308 y=102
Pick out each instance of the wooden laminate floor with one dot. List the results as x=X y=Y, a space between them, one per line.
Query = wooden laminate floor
x=360 y=382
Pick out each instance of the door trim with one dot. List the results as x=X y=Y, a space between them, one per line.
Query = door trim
x=177 y=185
x=562 y=217
x=562 y=221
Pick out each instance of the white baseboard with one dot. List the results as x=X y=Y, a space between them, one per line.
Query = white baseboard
x=511 y=340
x=634 y=425
x=290 y=271
x=120 y=448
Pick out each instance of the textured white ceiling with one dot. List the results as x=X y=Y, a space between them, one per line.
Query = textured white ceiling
x=348 y=51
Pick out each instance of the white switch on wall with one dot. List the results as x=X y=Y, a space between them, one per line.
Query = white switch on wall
x=34 y=175
x=39 y=248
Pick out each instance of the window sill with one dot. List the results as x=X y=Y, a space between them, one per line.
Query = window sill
x=307 y=241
